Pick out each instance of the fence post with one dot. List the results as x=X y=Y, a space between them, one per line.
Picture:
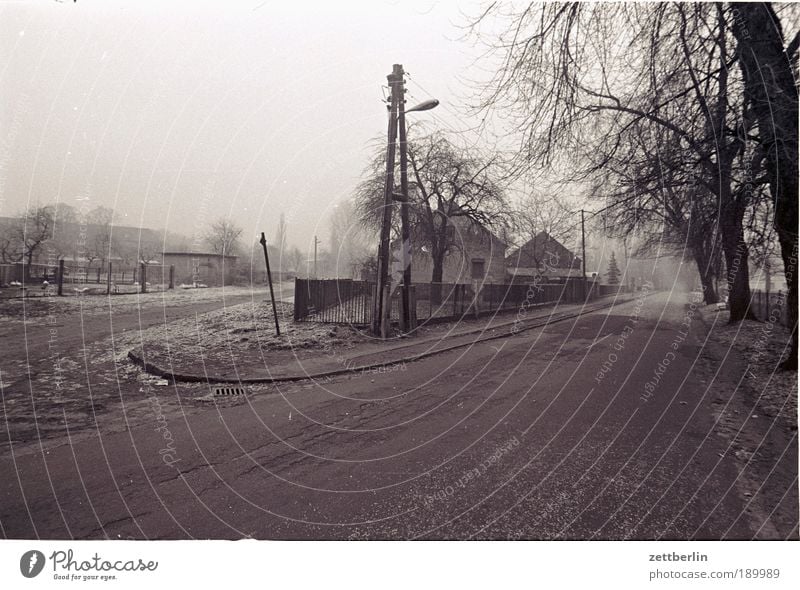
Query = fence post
x=108 y=279
x=61 y=277
x=412 y=308
x=171 y=276
x=143 y=278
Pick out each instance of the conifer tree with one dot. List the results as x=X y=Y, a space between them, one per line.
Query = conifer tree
x=613 y=271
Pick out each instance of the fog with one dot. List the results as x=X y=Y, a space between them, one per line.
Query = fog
x=177 y=113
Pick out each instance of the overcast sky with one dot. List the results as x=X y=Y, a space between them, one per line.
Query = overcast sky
x=176 y=113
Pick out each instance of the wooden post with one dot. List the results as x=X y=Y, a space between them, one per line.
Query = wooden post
x=583 y=258
x=405 y=229
x=143 y=277
x=171 y=276
x=381 y=314
x=263 y=241
x=108 y=279
x=61 y=277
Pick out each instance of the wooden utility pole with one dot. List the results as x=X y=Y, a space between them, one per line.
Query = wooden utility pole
x=380 y=317
x=405 y=225
x=583 y=258
x=316 y=241
x=263 y=242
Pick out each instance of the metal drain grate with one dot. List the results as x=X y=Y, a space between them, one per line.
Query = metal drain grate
x=223 y=391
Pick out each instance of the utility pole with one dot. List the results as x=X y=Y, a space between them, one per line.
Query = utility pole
x=380 y=317
x=405 y=229
x=583 y=257
x=316 y=241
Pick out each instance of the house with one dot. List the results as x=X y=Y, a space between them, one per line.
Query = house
x=476 y=255
x=542 y=256
x=201 y=268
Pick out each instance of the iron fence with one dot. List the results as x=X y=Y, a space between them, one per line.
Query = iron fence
x=349 y=301
x=336 y=301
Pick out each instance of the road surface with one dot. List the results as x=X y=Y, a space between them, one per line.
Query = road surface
x=553 y=433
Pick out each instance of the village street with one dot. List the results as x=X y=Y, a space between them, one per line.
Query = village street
x=621 y=423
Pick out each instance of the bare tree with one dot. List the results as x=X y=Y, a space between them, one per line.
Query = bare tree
x=578 y=75
x=769 y=70
x=10 y=244
x=653 y=190
x=223 y=237
x=446 y=183
x=32 y=229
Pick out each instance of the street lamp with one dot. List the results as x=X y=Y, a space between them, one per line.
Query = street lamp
x=397 y=119
x=425 y=105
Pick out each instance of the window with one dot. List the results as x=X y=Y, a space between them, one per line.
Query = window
x=478 y=270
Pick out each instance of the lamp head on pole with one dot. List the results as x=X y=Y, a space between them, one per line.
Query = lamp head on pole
x=424 y=106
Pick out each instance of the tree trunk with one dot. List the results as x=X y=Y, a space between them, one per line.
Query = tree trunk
x=771 y=93
x=707 y=279
x=736 y=262
x=436 y=277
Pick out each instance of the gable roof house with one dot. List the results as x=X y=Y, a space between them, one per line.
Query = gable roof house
x=542 y=256
x=476 y=255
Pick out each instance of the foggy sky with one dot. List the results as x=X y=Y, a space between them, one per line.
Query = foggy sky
x=176 y=113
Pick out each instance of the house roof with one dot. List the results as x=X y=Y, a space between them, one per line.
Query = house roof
x=463 y=223
x=543 y=249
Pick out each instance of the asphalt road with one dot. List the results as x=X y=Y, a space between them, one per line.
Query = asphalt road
x=513 y=438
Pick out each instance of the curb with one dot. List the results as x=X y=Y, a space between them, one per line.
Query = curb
x=190 y=378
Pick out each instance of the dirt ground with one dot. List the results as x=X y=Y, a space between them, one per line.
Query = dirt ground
x=757 y=415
